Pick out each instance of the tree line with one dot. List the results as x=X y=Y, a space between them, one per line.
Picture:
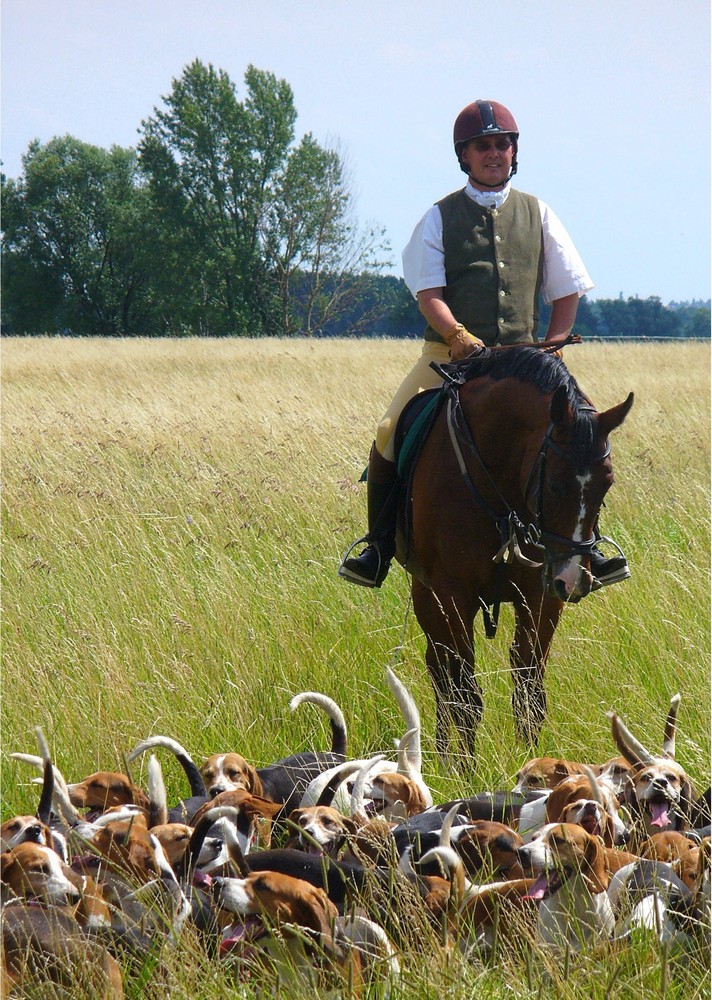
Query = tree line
x=221 y=222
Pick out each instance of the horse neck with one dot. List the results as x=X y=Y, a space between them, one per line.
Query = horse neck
x=509 y=420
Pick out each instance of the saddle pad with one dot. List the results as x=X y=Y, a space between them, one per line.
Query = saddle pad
x=413 y=426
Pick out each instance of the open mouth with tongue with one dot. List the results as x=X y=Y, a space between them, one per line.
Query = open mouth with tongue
x=659 y=811
x=546 y=884
x=240 y=936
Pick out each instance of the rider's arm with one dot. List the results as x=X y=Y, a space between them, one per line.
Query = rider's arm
x=563 y=314
x=439 y=315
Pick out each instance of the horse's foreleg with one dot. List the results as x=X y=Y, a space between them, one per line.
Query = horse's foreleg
x=450 y=662
x=528 y=653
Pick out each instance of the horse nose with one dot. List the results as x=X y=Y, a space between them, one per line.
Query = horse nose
x=560 y=589
x=572 y=583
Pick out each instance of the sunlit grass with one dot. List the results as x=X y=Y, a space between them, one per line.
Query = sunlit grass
x=174 y=513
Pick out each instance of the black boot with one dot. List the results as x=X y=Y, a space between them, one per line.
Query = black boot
x=607 y=571
x=370 y=568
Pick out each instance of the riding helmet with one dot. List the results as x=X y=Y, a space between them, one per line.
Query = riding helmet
x=484 y=118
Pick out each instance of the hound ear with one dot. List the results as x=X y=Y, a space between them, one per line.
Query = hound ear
x=596 y=862
x=407 y=791
x=315 y=911
x=628 y=797
x=350 y=825
x=7 y=860
x=609 y=834
x=688 y=797
x=255 y=782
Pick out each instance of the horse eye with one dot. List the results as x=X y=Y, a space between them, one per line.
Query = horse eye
x=558 y=488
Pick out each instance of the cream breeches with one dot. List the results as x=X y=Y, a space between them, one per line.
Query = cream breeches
x=420 y=377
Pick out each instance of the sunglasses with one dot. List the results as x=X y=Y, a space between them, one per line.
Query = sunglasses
x=502 y=143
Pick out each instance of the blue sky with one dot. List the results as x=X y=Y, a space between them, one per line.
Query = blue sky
x=612 y=98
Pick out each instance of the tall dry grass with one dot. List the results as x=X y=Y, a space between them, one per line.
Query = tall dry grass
x=174 y=513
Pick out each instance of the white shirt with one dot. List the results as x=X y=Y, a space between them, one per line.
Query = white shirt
x=563 y=274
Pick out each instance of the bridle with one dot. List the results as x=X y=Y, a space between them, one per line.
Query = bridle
x=542 y=535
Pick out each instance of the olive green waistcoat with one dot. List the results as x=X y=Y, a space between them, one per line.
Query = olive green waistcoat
x=493 y=266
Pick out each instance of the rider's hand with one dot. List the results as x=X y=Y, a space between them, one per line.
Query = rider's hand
x=461 y=342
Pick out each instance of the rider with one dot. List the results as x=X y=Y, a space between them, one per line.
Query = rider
x=477 y=262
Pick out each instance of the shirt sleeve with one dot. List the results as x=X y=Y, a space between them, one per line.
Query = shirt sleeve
x=424 y=256
x=564 y=272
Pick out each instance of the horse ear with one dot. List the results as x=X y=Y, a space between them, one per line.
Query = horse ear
x=560 y=410
x=610 y=419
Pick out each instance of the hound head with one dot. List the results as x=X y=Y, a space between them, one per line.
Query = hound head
x=225 y=772
x=323 y=826
x=267 y=901
x=561 y=853
x=104 y=789
x=661 y=794
x=33 y=871
x=544 y=772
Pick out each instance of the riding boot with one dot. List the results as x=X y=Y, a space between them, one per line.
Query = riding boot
x=606 y=571
x=370 y=568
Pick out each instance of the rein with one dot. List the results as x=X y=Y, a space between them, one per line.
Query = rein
x=512 y=530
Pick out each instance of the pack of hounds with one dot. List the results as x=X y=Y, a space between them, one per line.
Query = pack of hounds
x=317 y=868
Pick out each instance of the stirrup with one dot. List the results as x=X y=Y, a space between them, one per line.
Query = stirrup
x=346 y=573
x=619 y=573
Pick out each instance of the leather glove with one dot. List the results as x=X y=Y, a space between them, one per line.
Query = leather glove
x=461 y=342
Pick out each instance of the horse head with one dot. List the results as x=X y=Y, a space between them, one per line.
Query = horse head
x=575 y=473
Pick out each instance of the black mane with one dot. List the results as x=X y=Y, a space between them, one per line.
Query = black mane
x=546 y=373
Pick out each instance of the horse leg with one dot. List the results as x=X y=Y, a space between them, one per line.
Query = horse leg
x=450 y=661
x=534 y=630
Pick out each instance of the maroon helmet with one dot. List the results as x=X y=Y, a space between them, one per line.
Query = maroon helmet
x=484 y=118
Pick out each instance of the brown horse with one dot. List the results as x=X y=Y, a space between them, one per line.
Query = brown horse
x=504 y=499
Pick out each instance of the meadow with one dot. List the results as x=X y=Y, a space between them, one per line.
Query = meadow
x=174 y=514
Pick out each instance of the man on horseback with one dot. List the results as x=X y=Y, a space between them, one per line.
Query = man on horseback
x=477 y=263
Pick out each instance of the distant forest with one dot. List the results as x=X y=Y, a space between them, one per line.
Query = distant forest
x=394 y=313
x=221 y=222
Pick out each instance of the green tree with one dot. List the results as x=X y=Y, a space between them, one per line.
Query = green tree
x=72 y=224
x=257 y=235
x=697 y=323
x=320 y=264
x=210 y=161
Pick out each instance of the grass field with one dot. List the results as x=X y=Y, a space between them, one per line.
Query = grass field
x=174 y=513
